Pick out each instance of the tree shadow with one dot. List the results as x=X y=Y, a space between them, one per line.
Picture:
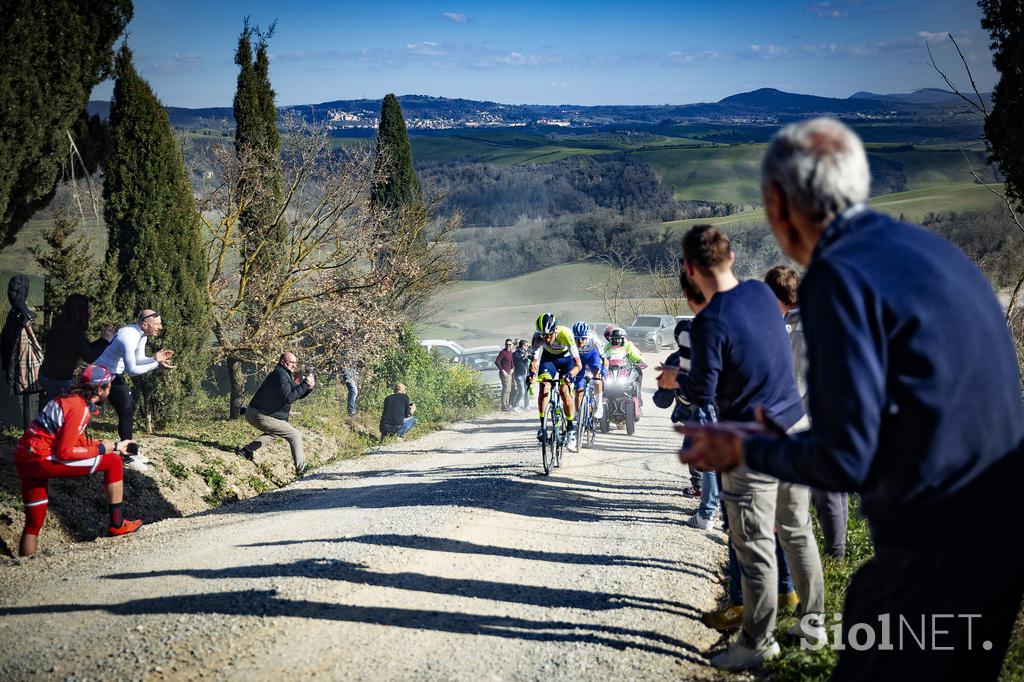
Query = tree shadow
x=265 y=603
x=438 y=544
x=526 y=497
x=199 y=441
x=359 y=574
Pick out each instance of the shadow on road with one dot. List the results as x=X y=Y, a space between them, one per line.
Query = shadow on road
x=532 y=497
x=266 y=603
x=358 y=574
x=436 y=544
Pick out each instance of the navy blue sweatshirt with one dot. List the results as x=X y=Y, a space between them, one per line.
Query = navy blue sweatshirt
x=913 y=387
x=741 y=357
x=278 y=391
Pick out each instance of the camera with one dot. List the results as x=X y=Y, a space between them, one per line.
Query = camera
x=132 y=449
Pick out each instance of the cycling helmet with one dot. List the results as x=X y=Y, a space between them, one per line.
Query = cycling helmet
x=608 y=332
x=581 y=330
x=547 y=323
x=94 y=375
x=618 y=336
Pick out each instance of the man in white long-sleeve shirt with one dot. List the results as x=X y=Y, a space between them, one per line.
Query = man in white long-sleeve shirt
x=126 y=354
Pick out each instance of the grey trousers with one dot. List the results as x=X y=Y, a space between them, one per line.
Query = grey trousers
x=759 y=506
x=833 y=511
x=277 y=428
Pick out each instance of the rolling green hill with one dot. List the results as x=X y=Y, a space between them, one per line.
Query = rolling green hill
x=913 y=205
x=477 y=312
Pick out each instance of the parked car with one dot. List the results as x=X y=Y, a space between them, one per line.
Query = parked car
x=652 y=332
x=446 y=350
x=481 y=359
x=599 y=327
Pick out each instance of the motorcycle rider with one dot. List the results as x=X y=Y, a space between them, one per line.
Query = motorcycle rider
x=619 y=346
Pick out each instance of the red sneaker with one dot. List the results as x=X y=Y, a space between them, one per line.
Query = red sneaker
x=127 y=526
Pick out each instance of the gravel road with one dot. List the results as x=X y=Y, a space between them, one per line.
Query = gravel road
x=446 y=557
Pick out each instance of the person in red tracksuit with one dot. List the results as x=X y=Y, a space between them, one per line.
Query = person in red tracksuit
x=55 y=446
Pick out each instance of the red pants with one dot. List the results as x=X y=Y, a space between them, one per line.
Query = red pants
x=35 y=475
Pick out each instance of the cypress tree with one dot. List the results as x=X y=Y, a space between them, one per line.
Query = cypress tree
x=52 y=54
x=258 y=143
x=155 y=238
x=1004 y=21
x=258 y=148
x=399 y=188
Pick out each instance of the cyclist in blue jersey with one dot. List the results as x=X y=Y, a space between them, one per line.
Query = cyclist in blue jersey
x=592 y=357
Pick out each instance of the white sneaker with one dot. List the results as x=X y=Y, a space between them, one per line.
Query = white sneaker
x=599 y=412
x=699 y=522
x=810 y=627
x=740 y=657
x=572 y=444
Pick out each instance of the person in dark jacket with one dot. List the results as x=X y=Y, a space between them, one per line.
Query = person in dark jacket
x=67 y=345
x=915 y=403
x=521 y=358
x=18 y=317
x=270 y=406
x=397 y=417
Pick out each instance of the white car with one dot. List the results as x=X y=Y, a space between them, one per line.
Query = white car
x=446 y=350
x=481 y=359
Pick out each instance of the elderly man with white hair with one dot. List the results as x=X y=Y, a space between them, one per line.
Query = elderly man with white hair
x=915 y=403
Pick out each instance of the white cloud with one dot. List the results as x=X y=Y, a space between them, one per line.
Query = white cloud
x=454 y=17
x=181 y=62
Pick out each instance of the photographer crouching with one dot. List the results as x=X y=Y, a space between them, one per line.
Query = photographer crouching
x=55 y=446
x=269 y=408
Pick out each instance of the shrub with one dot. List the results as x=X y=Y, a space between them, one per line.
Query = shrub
x=442 y=391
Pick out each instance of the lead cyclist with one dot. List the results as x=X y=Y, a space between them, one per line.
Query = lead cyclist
x=592 y=356
x=557 y=358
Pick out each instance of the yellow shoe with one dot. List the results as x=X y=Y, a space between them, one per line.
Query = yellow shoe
x=788 y=600
x=728 y=618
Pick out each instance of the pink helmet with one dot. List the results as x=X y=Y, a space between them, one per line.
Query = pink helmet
x=608 y=331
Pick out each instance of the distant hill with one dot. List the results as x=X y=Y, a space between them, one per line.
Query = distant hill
x=924 y=97
x=767 y=106
x=770 y=99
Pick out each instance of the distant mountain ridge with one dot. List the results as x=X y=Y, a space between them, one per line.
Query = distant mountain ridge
x=762 y=106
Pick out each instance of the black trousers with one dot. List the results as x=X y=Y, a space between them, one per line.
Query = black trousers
x=950 y=612
x=123 y=404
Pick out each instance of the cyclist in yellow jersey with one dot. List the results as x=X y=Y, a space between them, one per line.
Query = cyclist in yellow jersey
x=557 y=358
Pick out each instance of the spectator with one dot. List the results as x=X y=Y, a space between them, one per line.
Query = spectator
x=521 y=357
x=506 y=366
x=271 y=405
x=19 y=317
x=832 y=507
x=741 y=361
x=67 y=345
x=350 y=375
x=126 y=354
x=55 y=445
x=914 y=391
x=397 y=418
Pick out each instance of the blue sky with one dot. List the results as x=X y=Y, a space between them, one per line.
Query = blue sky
x=594 y=52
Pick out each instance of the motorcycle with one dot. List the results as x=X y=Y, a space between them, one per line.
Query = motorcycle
x=621 y=396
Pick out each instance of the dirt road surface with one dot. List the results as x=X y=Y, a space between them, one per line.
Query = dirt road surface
x=447 y=557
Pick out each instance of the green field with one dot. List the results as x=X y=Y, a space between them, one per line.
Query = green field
x=475 y=312
x=913 y=205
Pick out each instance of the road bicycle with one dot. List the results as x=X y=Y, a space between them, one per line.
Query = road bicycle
x=586 y=426
x=554 y=429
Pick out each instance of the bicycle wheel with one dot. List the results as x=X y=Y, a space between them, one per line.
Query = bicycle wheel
x=582 y=419
x=560 y=431
x=547 y=446
x=591 y=427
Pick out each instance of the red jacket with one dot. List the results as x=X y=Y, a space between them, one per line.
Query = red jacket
x=58 y=433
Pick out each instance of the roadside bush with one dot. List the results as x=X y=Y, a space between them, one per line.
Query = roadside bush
x=441 y=390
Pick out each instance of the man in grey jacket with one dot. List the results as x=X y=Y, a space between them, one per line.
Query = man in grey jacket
x=270 y=406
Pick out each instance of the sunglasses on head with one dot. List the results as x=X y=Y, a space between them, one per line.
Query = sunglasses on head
x=146 y=317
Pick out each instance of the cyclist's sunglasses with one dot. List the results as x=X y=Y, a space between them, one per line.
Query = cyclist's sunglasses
x=146 y=317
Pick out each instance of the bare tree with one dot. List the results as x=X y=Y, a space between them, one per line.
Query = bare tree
x=324 y=297
x=620 y=291
x=1014 y=313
